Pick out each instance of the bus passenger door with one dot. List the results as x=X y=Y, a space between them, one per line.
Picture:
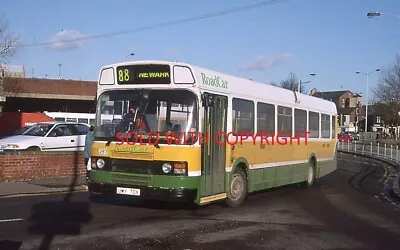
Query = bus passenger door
x=214 y=148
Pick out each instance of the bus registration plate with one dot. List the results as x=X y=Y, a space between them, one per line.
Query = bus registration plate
x=128 y=191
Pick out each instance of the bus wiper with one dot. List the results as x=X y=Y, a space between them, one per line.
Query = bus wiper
x=155 y=144
x=109 y=141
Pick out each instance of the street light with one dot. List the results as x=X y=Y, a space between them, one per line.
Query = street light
x=366 y=105
x=300 y=82
x=131 y=54
x=33 y=64
x=59 y=70
x=376 y=14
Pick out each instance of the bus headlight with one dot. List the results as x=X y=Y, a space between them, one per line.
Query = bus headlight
x=100 y=163
x=166 y=168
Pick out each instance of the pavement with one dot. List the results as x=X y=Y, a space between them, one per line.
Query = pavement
x=43 y=186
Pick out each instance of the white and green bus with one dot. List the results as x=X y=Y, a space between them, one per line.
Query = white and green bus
x=242 y=136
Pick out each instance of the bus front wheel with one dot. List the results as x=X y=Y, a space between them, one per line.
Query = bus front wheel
x=238 y=188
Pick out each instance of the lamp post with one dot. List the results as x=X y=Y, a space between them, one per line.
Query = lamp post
x=376 y=14
x=33 y=63
x=59 y=71
x=300 y=82
x=366 y=105
x=131 y=54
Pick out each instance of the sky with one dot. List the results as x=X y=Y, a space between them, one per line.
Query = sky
x=331 y=38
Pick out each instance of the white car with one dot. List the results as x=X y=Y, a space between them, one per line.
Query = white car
x=49 y=136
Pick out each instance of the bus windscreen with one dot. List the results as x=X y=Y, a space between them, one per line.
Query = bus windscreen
x=144 y=74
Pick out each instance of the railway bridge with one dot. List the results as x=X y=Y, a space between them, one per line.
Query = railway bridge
x=53 y=95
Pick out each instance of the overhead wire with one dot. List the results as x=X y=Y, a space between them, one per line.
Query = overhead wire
x=159 y=25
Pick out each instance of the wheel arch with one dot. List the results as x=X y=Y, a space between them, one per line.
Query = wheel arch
x=242 y=163
x=33 y=148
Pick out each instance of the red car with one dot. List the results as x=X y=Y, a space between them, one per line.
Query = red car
x=345 y=138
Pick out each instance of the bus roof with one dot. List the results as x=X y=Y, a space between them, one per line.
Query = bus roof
x=239 y=87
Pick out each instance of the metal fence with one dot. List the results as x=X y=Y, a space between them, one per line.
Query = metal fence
x=387 y=152
x=384 y=151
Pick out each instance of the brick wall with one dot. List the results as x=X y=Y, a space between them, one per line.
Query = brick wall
x=19 y=166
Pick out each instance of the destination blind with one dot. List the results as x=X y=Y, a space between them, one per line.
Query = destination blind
x=144 y=74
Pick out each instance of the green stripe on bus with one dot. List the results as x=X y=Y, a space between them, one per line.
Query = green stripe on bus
x=190 y=182
x=269 y=177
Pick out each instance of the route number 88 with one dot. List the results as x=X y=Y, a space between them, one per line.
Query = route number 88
x=123 y=75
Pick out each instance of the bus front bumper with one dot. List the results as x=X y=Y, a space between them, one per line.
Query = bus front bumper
x=151 y=193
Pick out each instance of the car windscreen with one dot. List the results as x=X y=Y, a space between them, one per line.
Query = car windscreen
x=39 y=130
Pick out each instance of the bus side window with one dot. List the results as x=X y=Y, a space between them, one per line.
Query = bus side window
x=265 y=119
x=333 y=125
x=242 y=116
x=284 y=121
x=300 y=123
x=325 y=126
x=313 y=124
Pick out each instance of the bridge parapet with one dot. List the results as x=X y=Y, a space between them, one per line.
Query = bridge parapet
x=49 y=88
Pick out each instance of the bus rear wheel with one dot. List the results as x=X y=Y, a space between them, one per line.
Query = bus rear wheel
x=238 y=188
x=310 y=174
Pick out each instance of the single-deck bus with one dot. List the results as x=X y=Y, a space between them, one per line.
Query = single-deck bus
x=233 y=136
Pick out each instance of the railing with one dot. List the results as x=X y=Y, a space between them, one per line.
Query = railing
x=386 y=152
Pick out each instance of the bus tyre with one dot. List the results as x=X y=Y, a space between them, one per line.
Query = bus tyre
x=310 y=174
x=238 y=188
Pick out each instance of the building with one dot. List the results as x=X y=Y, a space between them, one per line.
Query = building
x=8 y=71
x=348 y=105
x=375 y=123
x=12 y=70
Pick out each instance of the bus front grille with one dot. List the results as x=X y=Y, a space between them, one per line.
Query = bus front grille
x=132 y=180
x=136 y=166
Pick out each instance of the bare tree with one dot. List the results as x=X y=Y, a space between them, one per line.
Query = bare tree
x=9 y=42
x=388 y=113
x=274 y=84
x=292 y=83
x=387 y=94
